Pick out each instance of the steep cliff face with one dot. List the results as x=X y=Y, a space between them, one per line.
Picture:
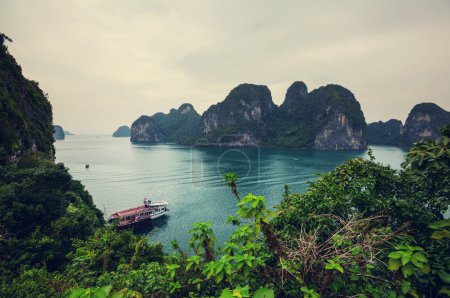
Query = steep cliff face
x=122 y=132
x=59 y=133
x=423 y=121
x=240 y=119
x=329 y=117
x=179 y=125
x=25 y=112
x=339 y=133
x=385 y=133
x=145 y=129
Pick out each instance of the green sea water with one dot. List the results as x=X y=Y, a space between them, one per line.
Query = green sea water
x=190 y=179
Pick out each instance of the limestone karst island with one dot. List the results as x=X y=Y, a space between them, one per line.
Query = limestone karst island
x=252 y=149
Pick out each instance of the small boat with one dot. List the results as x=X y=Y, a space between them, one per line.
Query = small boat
x=130 y=217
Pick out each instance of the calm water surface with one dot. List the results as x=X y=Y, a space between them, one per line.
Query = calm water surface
x=121 y=174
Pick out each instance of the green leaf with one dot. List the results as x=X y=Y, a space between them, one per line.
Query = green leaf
x=219 y=267
x=264 y=293
x=417 y=263
x=407 y=270
x=228 y=269
x=394 y=264
x=226 y=293
x=395 y=255
x=405 y=259
x=419 y=257
x=445 y=290
x=445 y=277
x=440 y=224
x=339 y=268
x=406 y=287
x=438 y=235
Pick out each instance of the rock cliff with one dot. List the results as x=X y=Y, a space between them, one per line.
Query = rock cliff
x=329 y=117
x=240 y=119
x=25 y=112
x=385 y=133
x=423 y=122
x=122 y=131
x=179 y=125
x=59 y=133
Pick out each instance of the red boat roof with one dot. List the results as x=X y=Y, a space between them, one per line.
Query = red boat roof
x=133 y=211
x=137 y=210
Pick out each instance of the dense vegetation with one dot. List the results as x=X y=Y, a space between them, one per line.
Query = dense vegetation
x=385 y=133
x=25 y=112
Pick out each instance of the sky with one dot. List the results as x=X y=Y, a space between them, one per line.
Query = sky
x=105 y=63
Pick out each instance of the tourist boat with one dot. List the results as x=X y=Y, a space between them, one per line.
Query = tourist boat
x=130 y=217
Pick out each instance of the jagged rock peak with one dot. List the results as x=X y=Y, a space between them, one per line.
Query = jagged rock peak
x=297 y=89
x=186 y=108
x=246 y=105
x=255 y=97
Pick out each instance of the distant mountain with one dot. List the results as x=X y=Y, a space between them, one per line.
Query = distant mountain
x=122 y=131
x=423 y=122
x=68 y=133
x=25 y=112
x=59 y=133
x=385 y=133
x=329 y=117
x=179 y=125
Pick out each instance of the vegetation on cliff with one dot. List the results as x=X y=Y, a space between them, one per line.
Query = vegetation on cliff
x=385 y=133
x=244 y=111
x=25 y=112
x=303 y=116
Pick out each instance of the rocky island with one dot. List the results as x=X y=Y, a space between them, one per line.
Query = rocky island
x=178 y=126
x=329 y=118
x=59 y=132
x=122 y=131
x=422 y=123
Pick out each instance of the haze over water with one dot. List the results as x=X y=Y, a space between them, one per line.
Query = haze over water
x=190 y=179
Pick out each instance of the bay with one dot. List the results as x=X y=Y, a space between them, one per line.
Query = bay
x=190 y=178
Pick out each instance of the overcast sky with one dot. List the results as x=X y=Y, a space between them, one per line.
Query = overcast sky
x=105 y=63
